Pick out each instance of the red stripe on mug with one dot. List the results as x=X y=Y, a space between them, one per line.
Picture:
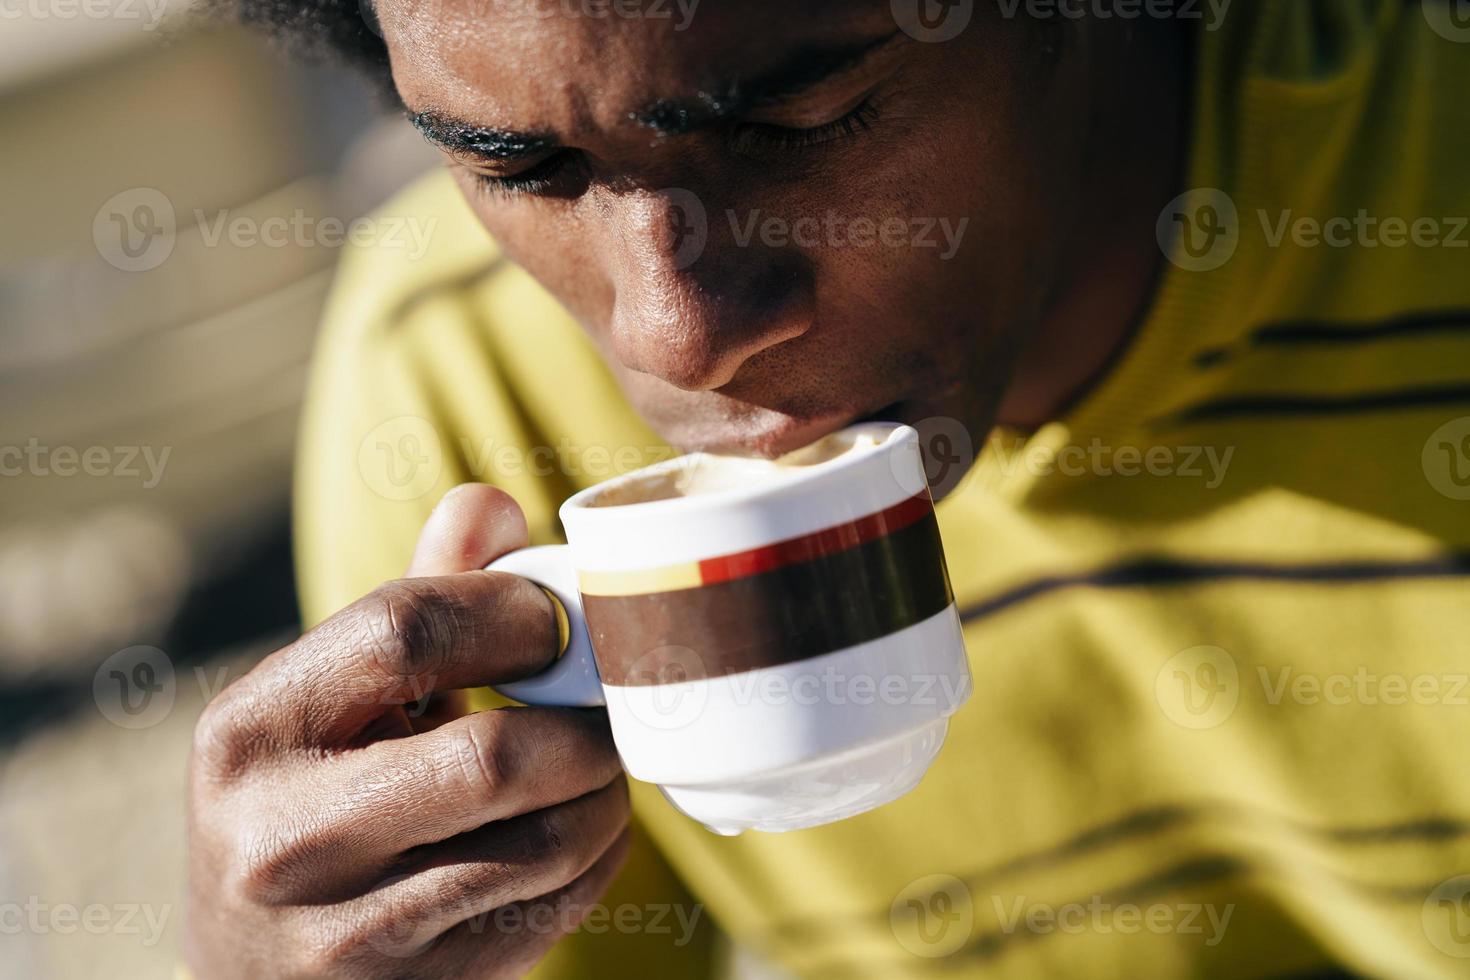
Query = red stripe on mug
x=827 y=541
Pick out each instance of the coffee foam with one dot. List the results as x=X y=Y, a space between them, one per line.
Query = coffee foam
x=702 y=473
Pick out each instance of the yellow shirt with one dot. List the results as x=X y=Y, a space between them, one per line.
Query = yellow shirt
x=1218 y=615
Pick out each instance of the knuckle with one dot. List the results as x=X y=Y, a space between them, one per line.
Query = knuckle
x=486 y=759
x=330 y=956
x=406 y=626
x=463 y=893
x=389 y=935
x=546 y=843
x=268 y=864
x=228 y=735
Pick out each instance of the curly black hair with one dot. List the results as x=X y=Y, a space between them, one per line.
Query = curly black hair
x=344 y=31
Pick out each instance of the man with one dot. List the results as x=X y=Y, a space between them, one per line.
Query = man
x=1194 y=278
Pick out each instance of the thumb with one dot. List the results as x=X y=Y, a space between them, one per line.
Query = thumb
x=473 y=525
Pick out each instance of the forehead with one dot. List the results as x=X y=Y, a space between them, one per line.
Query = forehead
x=569 y=64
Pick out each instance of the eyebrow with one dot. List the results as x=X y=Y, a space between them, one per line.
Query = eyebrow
x=803 y=69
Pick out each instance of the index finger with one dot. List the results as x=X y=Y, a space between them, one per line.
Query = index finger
x=401 y=642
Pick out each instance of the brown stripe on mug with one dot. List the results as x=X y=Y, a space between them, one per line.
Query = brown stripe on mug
x=793 y=612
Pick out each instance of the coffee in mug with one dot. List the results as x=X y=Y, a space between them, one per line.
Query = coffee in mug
x=775 y=641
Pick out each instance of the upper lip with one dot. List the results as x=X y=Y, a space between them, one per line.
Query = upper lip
x=789 y=433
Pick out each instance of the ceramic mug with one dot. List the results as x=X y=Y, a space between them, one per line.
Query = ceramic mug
x=776 y=642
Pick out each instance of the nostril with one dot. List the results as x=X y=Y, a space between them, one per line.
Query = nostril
x=694 y=327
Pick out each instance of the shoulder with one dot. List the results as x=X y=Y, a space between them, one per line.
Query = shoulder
x=424 y=242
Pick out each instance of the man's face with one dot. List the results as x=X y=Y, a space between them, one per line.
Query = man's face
x=772 y=218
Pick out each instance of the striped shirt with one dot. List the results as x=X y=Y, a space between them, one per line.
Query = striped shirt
x=1218 y=614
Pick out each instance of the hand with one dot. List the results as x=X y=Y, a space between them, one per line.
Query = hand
x=332 y=833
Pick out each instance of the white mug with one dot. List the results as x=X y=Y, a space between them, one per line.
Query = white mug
x=776 y=642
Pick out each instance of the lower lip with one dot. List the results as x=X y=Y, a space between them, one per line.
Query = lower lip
x=892 y=412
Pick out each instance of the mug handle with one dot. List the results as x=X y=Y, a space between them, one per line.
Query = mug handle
x=572 y=680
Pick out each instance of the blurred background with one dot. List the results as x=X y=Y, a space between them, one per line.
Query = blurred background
x=152 y=362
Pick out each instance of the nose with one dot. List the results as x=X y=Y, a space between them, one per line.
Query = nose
x=692 y=301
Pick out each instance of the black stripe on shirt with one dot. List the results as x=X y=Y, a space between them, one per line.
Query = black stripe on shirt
x=1157 y=571
x=1322 y=332
x=1314 y=405
x=1150 y=822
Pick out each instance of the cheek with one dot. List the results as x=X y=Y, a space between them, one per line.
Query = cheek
x=550 y=241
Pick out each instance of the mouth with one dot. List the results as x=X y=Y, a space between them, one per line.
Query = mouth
x=892 y=412
x=782 y=434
